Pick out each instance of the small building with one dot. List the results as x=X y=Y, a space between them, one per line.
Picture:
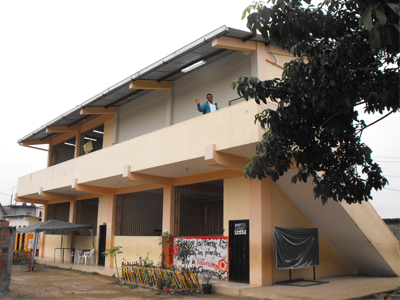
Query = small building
x=139 y=158
x=21 y=216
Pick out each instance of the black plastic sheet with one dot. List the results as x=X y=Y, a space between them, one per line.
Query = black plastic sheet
x=296 y=247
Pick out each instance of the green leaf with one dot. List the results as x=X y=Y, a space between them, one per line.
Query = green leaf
x=366 y=19
x=395 y=8
x=380 y=14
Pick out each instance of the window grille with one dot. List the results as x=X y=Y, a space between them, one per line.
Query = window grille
x=59 y=211
x=63 y=151
x=86 y=213
x=199 y=209
x=139 y=214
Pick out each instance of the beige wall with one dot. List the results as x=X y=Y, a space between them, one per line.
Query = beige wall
x=236 y=201
x=286 y=214
x=134 y=247
x=144 y=115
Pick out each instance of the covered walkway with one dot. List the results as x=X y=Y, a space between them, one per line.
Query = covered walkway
x=346 y=287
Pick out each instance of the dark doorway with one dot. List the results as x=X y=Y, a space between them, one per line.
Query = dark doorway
x=23 y=242
x=239 y=254
x=18 y=237
x=102 y=244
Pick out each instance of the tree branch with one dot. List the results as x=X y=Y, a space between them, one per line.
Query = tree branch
x=375 y=122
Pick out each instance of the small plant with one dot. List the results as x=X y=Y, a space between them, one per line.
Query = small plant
x=160 y=283
x=113 y=252
x=207 y=278
x=144 y=262
x=94 y=273
x=166 y=239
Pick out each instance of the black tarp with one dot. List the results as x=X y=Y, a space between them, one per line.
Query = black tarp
x=296 y=247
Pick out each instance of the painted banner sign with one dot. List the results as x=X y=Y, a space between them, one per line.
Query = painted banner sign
x=210 y=258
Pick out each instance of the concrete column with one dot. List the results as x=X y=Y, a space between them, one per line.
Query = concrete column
x=169 y=106
x=77 y=144
x=43 y=234
x=261 y=232
x=169 y=209
x=71 y=233
x=111 y=206
x=259 y=62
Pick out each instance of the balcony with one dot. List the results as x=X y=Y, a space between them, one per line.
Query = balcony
x=171 y=152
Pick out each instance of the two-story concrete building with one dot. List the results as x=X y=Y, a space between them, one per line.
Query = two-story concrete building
x=138 y=159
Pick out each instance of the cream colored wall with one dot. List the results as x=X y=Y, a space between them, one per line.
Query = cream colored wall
x=273 y=70
x=144 y=115
x=85 y=242
x=54 y=241
x=215 y=78
x=236 y=201
x=286 y=214
x=134 y=247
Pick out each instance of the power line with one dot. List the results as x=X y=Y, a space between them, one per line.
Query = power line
x=391 y=189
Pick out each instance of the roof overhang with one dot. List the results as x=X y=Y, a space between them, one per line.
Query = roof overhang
x=210 y=48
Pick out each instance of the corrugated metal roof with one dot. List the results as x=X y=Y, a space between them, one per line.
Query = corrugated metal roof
x=167 y=68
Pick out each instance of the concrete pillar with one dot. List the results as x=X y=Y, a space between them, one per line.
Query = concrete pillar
x=71 y=233
x=168 y=209
x=43 y=234
x=259 y=62
x=111 y=206
x=261 y=232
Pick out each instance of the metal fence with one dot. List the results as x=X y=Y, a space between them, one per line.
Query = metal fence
x=199 y=209
x=139 y=214
x=86 y=213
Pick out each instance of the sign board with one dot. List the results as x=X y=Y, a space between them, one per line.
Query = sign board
x=210 y=256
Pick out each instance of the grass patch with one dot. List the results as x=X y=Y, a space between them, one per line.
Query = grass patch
x=95 y=273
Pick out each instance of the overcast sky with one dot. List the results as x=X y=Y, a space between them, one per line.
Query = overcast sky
x=57 y=54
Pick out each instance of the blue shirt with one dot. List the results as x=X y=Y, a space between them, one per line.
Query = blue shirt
x=205 y=108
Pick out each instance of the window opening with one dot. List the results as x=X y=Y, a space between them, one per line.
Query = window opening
x=92 y=140
x=63 y=151
x=86 y=213
x=139 y=214
x=59 y=211
x=199 y=209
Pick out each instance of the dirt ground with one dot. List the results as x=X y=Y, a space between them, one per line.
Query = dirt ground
x=47 y=282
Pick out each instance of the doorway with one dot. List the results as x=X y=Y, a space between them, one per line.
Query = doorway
x=102 y=244
x=239 y=253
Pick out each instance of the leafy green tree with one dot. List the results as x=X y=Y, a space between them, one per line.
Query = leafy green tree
x=346 y=56
x=113 y=252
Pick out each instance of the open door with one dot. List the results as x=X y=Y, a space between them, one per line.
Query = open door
x=239 y=253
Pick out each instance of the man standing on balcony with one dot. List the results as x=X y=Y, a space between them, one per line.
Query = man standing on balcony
x=207 y=107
